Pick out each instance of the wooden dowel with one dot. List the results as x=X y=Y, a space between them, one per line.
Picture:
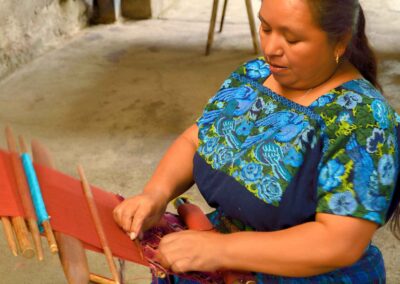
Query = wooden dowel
x=21 y=231
x=51 y=240
x=24 y=193
x=99 y=227
x=100 y=279
x=45 y=223
x=8 y=232
x=71 y=251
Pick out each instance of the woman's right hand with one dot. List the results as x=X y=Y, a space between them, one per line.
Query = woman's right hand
x=139 y=213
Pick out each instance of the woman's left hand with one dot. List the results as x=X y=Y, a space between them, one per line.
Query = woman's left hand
x=191 y=251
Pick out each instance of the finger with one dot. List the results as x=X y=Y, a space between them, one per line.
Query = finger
x=127 y=218
x=137 y=223
x=117 y=214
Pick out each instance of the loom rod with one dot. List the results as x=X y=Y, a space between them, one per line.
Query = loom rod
x=8 y=231
x=37 y=198
x=71 y=252
x=97 y=222
x=19 y=224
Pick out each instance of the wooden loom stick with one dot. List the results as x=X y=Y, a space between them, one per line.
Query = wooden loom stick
x=8 y=231
x=71 y=252
x=19 y=224
x=99 y=227
x=100 y=279
x=37 y=197
x=24 y=193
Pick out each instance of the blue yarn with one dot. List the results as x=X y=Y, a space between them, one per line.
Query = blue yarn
x=34 y=187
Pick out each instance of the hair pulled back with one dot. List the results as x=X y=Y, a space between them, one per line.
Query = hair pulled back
x=337 y=18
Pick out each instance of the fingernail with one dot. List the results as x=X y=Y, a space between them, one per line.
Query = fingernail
x=132 y=235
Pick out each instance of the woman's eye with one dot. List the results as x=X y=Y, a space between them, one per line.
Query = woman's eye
x=266 y=30
x=292 y=41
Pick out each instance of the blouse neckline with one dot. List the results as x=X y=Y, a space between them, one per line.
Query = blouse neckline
x=311 y=105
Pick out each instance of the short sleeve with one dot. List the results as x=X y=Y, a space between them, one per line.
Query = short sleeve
x=358 y=171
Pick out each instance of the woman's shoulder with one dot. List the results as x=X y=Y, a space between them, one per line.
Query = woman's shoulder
x=356 y=103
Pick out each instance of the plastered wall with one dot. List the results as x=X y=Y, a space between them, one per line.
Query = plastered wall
x=28 y=28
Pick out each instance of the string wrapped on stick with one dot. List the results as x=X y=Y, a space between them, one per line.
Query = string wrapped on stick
x=40 y=209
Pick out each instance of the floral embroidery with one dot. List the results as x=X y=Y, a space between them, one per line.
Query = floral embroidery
x=377 y=138
x=251 y=172
x=380 y=112
x=270 y=190
x=222 y=156
x=226 y=84
x=397 y=117
x=270 y=107
x=330 y=175
x=262 y=140
x=342 y=203
x=386 y=169
x=293 y=158
x=349 y=100
x=244 y=128
x=257 y=69
x=345 y=117
x=323 y=100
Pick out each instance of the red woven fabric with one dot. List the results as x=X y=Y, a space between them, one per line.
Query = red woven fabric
x=67 y=207
x=10 y=203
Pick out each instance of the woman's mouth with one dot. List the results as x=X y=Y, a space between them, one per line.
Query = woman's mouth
x=277 y=68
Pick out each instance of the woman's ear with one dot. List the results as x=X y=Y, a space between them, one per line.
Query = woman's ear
x=343 y=43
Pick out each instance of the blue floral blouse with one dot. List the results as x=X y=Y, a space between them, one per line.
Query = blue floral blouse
x=272 y=163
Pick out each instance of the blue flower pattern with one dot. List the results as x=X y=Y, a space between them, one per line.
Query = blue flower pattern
x=262 y=143
x=330 y=175
x=257 y=69
x=343 y=203
x=349 y=100
x=380 y=112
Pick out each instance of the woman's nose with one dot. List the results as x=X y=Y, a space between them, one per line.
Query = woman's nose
x=271 y=45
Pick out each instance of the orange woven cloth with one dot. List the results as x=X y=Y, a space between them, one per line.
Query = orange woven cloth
x=68 y=209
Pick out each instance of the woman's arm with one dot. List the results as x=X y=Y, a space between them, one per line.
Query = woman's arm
x=309 y=249
x=173 y=176
x=174 y=173
x=312 y=248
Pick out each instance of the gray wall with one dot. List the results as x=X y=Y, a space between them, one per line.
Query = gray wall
x=28 y=28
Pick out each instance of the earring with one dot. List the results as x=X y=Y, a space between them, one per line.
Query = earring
x=337 y=58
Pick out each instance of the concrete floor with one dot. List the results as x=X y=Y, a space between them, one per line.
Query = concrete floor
x=114 y=97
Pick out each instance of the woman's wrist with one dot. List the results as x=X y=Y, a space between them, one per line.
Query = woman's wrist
x=161 y=196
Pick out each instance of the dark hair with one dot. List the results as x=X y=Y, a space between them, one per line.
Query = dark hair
x=339 y=17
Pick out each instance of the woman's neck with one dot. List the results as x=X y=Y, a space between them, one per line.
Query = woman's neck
x=344 y=73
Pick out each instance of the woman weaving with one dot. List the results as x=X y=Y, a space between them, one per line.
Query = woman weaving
x=299 y=149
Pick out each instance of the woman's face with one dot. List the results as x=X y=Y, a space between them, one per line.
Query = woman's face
x=299 y=52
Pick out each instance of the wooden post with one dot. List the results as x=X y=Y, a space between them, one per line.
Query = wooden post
x=253 y=29
x=212 y=26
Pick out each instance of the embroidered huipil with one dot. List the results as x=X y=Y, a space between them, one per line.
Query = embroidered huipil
x=271 y=163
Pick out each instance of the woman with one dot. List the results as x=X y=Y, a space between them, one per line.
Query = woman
x=299 y=149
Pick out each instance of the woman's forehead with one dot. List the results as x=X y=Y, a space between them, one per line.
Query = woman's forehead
x=287 y=13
